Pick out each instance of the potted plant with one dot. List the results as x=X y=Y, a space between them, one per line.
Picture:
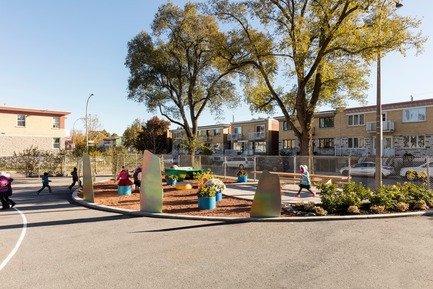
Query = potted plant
x=206 y=198
x=202 y=177
x=242 y=176
x=171 y=179
x=219 y=187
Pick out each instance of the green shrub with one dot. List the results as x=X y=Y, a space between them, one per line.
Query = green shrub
x=377 y=209
x=337 y=201
x=354 y=210
x=401 y=207
x=320 y=211
x=299 y=206
x=362 y=192
x=420 y=205
x=309 y=207
x=391 y=198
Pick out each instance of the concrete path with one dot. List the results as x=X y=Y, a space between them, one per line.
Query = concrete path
x=247 y=190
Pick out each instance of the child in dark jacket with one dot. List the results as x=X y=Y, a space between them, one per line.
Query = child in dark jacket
x=45 y=183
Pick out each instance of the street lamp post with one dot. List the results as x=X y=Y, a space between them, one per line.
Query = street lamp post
x=87 y=133
x=379 y=124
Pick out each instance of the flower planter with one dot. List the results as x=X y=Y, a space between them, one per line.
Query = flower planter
x=171 y=182
x=124 y=190
x=242 y=179
x=206 y=203
x=218 y=196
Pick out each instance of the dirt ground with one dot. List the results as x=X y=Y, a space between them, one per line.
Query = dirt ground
x=180 y=202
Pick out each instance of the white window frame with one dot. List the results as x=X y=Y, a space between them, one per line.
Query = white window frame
x=326 y=140
x=411 y=139
x=260 y=128
x=260 y=147
x=289 y=143
x=324 y=124
x=286 y=126
x=360 y=119
x=56 y=122
x=56 y=143
x=217 y=131
x=354 y=142
x=21 y=120
x=413 y=114
x=237 y=130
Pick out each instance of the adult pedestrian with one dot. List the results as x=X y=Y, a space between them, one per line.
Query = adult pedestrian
x=45 y=183
x=74 y=175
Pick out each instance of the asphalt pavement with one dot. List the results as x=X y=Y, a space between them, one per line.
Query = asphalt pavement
x=70 y=246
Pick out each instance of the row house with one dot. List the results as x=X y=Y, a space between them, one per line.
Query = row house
x=109 y=143
x=352 y=131
x=341 y=132
x=212 y=136
x=22 y=128
x=254 y=137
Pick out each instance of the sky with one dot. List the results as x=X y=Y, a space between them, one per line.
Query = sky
x=55 y=53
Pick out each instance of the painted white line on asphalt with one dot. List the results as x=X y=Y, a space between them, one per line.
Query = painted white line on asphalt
x=18 y=244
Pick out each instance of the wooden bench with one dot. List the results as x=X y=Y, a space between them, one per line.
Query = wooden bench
x=315 y=179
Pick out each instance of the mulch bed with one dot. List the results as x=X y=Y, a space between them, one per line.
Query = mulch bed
x=180 y=202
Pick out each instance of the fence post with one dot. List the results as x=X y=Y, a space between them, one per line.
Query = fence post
x=294 y=164
x=225 y=166
x=349 y=165
x=428 y=172
x=39 y=167
x=254 y=166
x=64 y=167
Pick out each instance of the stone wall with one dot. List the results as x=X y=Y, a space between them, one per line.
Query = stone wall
x=10 y=144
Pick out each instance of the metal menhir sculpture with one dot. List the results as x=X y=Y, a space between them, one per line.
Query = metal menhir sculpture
x=88 y=194
x=151 y=184
x=267 y=199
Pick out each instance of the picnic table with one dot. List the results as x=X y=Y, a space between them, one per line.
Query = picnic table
x=182 y=173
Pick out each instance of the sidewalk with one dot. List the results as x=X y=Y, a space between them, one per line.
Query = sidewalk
x=288 y=193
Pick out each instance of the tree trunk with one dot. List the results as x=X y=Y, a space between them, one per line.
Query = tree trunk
x=306 y=146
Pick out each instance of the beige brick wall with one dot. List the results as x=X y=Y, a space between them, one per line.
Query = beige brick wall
x=10 y=144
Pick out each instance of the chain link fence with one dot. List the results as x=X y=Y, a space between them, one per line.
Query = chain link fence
x=359 y=168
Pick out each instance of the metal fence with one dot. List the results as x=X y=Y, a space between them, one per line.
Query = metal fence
x=359 y=168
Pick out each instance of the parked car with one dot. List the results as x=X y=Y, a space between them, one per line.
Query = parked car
x=404 y=172
x=239 y=162
x=274 y=164
x=366 y=169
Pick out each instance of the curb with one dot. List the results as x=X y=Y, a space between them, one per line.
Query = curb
x=132 y=213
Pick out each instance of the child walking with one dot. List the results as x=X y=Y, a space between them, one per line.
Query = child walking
x=305 y=181
x=45 y=183
x=74 y=175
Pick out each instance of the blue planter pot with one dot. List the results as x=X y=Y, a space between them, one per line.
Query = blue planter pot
x=242 y=179
x=206 y=203
x=124 y=190
x=171 y=182
x=218 y=196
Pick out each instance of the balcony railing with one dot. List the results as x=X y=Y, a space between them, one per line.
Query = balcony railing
x=257 y=135
x=351 y=151
x=387 y=126
x=234 y=136
x=205 y=138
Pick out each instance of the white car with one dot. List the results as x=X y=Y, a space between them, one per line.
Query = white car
x=239 y=162
x=366 y=169
x=422 y=168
